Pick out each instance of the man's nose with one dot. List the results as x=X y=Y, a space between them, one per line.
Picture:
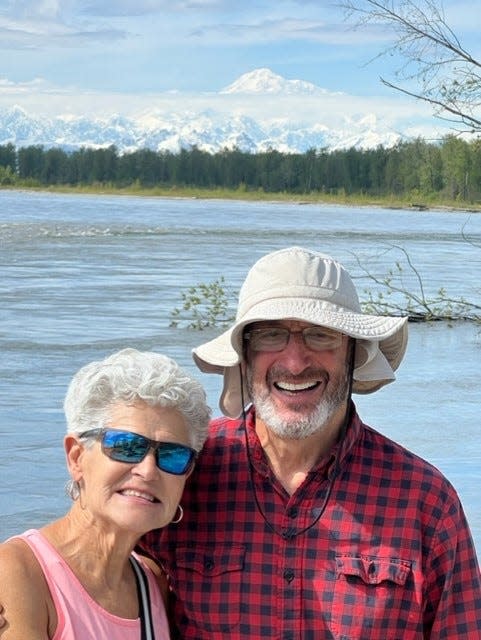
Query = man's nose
x=296 y=354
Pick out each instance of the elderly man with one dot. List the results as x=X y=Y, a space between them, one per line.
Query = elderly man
x=302 y=522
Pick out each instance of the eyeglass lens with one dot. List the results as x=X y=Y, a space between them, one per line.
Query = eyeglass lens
x=125 y=446
x=277 y=338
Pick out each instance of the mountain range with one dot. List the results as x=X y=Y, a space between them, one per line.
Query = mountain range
x=259 y=111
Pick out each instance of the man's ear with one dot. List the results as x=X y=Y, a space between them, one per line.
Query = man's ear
x=73 y=452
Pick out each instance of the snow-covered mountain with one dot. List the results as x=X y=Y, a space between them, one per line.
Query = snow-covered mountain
x=228 y=122
x=264 y=81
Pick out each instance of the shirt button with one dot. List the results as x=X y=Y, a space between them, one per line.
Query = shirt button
x=288 y=575
x=209 y=564
x=293 y=512
x=371 y=571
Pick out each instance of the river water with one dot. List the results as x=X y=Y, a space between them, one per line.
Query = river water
x=83 y=276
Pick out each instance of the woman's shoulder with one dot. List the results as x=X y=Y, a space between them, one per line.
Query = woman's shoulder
x=21 y=551
x=16 y=552
x=24 y=593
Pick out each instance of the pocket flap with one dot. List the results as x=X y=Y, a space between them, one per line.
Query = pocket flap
x=373 y=570
x=212 y=561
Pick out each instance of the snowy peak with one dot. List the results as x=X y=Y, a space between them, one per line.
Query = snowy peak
x=264 y=81
x=259 y=111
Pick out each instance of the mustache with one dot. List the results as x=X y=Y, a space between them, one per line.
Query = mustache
x=309 y=373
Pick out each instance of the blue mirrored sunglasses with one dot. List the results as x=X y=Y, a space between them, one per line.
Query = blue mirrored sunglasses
x=126 y=446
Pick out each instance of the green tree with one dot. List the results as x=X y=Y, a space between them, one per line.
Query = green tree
x=105 y=163
x=8 y=156
x=55 y=167
x=82 y=166
x=456 y=167
x=376 y=161
x=475 y=176
x=7 y=176
x=393 y=183
x=30 y=162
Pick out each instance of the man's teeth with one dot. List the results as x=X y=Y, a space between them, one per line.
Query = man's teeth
x=300 y=386
x=138 y=494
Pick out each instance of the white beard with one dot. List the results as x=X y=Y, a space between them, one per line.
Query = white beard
x=305 y=425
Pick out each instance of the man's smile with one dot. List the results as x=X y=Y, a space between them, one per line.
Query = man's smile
x=293 y=387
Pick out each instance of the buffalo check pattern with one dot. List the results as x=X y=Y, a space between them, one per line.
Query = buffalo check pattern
x=386 y=556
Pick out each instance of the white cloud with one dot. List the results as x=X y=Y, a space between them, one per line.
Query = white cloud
x=32 y=9
x=166 y=8
x=281 y=30
x=321 y=108
x=50 y=24
x=82 y=56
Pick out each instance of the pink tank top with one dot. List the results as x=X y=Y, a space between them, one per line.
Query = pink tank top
x=79 y=616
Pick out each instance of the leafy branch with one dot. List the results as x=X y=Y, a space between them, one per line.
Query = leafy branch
x=203 y=305
x=399 y=292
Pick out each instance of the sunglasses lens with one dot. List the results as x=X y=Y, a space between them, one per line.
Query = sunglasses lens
x=124 y=446
x=174 y=458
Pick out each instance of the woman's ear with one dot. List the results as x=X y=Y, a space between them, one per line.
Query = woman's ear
x=73 y=451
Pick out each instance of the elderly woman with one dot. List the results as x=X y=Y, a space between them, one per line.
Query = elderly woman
x=135 y=424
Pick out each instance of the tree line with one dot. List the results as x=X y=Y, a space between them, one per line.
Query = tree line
x=449 y=169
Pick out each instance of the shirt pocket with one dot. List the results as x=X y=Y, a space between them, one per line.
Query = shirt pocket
x=208 y=585
x=373 y=598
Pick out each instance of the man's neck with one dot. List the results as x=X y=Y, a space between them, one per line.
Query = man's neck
x=291 y=460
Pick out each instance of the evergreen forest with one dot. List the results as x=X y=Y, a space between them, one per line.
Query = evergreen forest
x=416 y=170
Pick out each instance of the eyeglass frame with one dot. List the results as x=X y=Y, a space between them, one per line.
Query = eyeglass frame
x=249 y=332
x=153 y=445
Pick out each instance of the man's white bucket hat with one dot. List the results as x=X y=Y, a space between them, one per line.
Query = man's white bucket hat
x=299 y=284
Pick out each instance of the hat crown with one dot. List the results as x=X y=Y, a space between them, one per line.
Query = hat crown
x=297 y=273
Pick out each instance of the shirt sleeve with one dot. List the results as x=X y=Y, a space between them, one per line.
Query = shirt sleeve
x=453 y=582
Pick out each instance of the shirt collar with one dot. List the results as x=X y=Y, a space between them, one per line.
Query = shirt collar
x=325 y=465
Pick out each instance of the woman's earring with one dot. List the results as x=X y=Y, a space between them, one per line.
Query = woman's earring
x=72 y=489
x=180 y=516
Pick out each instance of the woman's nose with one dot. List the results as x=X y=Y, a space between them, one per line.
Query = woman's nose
x=147 y=467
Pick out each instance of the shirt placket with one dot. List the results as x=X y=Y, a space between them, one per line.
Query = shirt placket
x=290 y=581
x=293 y=517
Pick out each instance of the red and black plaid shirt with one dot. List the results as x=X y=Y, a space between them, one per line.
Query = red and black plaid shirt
x=389 y=558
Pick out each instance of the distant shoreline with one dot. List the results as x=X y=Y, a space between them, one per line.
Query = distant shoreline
x=242 y=195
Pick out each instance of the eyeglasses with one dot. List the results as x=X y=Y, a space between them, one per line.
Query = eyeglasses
x=277 y=338
x=126 y=446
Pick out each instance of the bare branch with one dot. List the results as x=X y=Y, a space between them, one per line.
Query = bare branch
x=465 y=118
x=465 y=237
x=416 y=304
x=447 y=75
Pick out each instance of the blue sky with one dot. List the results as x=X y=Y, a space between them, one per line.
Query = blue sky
x=122 y=55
